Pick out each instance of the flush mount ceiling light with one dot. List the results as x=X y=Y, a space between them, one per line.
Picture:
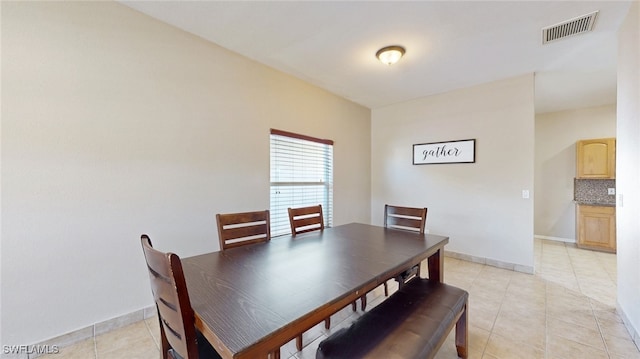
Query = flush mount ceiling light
x=390 y=55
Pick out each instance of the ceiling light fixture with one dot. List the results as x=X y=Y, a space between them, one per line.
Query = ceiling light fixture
x=389 y=55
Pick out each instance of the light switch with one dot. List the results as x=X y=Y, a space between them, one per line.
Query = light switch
x=525 y=193
x=611 y=191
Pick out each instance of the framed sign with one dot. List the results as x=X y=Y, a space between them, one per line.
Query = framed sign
x=462 y=151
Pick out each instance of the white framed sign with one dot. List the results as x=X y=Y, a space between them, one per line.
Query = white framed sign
x=462 y=151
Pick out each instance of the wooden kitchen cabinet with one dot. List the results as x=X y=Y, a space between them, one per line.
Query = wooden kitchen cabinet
x=596 y=227
x=596 y=158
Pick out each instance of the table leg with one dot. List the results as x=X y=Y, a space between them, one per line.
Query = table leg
x=436 y=266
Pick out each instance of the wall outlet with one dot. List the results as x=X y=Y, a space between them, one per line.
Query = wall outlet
x=611 y=191
x=525 y=193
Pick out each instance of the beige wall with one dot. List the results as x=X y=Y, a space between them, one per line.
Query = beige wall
x=555 y=165
x=113 y=125
x=628 y=171
x=479 y=205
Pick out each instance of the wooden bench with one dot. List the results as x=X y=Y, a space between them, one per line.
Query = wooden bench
x=412 y=323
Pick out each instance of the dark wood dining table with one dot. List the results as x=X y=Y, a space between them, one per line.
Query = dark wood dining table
x=249 y=301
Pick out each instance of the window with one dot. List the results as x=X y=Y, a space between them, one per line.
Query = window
x=301 y=176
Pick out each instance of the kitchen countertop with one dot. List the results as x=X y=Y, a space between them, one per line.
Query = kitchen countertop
x=590 y=203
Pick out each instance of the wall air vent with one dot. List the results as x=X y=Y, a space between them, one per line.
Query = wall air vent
x=575 y=26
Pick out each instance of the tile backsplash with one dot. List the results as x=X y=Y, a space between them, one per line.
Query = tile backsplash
x=594 y=191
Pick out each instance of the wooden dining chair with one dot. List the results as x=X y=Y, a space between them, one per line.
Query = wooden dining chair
x=302 y=220
x=239 y=229
x=306 y=219
x=407 y=219
x=178 y=334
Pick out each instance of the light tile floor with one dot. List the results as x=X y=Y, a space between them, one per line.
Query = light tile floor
x=565 y=310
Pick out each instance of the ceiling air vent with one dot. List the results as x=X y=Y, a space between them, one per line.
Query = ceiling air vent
x=568 y=28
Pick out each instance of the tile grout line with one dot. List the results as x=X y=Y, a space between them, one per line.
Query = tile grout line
x=95 y=342
x=547 y=335
x=604 y=342
x=493 y=325
x=593 y=312
x=151 y=333
x=573 y=270
x=546 y=309
x=484 y=348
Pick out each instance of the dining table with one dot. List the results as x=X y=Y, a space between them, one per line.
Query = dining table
x=249 y=301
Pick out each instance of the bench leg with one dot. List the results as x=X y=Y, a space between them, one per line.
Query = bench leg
x=462 y=334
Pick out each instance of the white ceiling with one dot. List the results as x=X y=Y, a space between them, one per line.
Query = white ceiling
x=450 y=44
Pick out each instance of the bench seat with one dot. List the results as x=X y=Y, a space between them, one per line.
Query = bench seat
x=412 y=323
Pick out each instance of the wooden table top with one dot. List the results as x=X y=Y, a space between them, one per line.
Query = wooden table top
x=250 y=300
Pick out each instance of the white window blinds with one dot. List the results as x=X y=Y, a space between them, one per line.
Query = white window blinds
x=301 y=176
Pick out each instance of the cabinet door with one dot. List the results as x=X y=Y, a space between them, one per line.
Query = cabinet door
x=596 y=158
x=597 y=227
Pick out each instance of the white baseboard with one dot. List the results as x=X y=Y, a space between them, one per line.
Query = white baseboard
x=93 y=330
x=491 y=262
x=635 y=335
x=557 y=239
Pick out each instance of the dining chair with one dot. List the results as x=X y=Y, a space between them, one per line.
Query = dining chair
x=239 y=229
x=306 y=219
x=408 y=219
x=178 y=334
x=302 y=220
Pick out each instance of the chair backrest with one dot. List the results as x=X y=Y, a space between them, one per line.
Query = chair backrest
x=177 y=327
x=239 y=229
x=306 y=219
x=407 y=218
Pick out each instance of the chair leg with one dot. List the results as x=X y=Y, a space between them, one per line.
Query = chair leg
x=462 y=334
x=363 y=301
x=327 y=323
x=386 y=289
x=401 y=282
x=299 y=342
x=353 y=306
x=275 y=354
